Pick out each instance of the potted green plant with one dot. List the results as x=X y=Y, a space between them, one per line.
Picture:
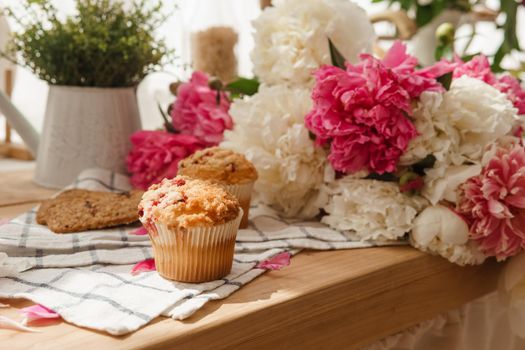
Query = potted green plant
x=93 y=61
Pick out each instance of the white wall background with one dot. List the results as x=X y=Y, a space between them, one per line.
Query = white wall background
x=188 y=15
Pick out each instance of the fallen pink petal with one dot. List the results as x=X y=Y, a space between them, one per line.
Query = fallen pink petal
x=3 y=221
x=144 y=266
x=7 y=323
x=141 y=231
x=37 y=312
x=276 y=262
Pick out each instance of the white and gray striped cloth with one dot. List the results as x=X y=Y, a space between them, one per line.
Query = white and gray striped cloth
x=84 y=276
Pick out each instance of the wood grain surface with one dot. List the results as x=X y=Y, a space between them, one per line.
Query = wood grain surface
x=323 y=300
x=17 y=187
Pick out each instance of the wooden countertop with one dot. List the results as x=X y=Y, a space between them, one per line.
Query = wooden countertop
x=323 y=300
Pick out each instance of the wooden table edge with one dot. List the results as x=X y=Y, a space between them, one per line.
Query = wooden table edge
x=279 y=324
x=342 y=306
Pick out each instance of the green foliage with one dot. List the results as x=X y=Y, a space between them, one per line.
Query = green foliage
x=243 y=87
x=336 y=56
x=467 y=58
x=445 y=35
x=444 y=51
x=425 y=163
x=510 y=34
x=445 y=80
x=236 y=89
x=425 y=14
x=105 y=44
x=388 y=177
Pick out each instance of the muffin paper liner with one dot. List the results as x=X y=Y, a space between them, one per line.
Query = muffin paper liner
x=196 y=255
x=243 y=192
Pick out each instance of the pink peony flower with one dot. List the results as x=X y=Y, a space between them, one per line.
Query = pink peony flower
x=155 y=155
x=512 y=88
x=479 y=68
x=362 y=112
x=412 y=80
x=196 y=112
x=494 y=204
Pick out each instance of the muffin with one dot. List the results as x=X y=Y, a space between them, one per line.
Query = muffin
x=192 y=225
x=227 y=168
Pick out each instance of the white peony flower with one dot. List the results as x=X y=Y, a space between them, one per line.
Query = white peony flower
x=438 y=138
x=490 y=151
x=436 y=135
x=440 y=231
x=269 y=130
x=456 y=127
x=479 y=112
x=370 y=209
x=442 y=182
x=291 y=38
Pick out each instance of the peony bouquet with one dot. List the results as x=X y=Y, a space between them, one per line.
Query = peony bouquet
x=382 y=148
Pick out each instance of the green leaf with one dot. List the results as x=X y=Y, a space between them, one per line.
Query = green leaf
x=243 y=86
x=427 y=162
x=235 y=95
x=467 y=58
x=424 y=15
x=406 y=4
x=444 y=51
x=445 y=80
x=510 y=36
x=498 y=57
x=439 y=52
x=389 y=177
x=338 y=59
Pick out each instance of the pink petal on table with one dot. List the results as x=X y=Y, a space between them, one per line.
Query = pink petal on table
x=144 y=266
x=37 y=312
x=141 y=231
x=276 y=262
x=3 y=221
x=7 y=323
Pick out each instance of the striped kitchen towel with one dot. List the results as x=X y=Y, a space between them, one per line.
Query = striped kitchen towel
x=85 y=275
